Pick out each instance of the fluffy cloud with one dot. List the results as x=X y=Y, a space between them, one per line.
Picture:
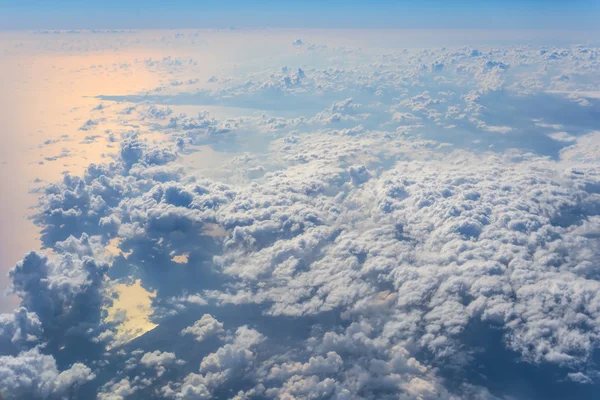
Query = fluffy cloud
x=19 y=329
x=66 y=293
x=359 y=246
x=118 y=390
x=158 y=361
x=228 y=362
x=34 y=375
x=157 y=358
x=203 y=328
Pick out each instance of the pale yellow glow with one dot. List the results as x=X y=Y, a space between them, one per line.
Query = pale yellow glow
x=48 y=97
x=136 y=302
x=112 y=248
x=180 y=259
x=49 y=86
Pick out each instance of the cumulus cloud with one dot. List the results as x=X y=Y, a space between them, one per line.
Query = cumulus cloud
x=158 y=360
x=358 y=246
x=118 y=391
x=34 y=375
x=228 y=362
x=66 y=293
x=204 y=327
x=19 y=330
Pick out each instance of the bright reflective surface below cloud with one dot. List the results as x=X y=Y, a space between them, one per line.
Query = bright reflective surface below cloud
x=300 y=214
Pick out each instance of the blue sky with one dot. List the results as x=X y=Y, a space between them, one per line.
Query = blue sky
x=68 y=14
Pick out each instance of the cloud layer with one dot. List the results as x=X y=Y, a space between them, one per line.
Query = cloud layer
x=403 y=224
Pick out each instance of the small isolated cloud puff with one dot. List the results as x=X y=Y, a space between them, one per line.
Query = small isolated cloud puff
x=204 y=327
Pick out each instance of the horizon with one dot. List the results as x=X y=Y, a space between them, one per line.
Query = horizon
x=157 y=14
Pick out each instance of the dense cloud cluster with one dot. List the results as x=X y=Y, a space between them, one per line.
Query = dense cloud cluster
x=422 y=217
x=34 y=375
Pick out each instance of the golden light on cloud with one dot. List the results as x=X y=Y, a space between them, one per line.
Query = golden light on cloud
x=132 y=308
x=112 y=248
x=180 y=259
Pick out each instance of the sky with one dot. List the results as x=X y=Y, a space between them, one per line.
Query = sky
x=427 y=14
x=312 y=205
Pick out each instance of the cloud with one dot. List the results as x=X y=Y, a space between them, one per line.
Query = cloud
x=204 y=327
x=118 y=391
x=89 y=125
x=375 y=226
x=66 y=293
x=34 y=375
x=19 y=330
x=157 y=360
x=217 y=368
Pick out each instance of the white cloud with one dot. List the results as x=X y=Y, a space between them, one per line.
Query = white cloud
x=31 y=374
x=118 y=391
x=205 y=327
x=19 y=329
x=369 y=214
x=158 y=360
